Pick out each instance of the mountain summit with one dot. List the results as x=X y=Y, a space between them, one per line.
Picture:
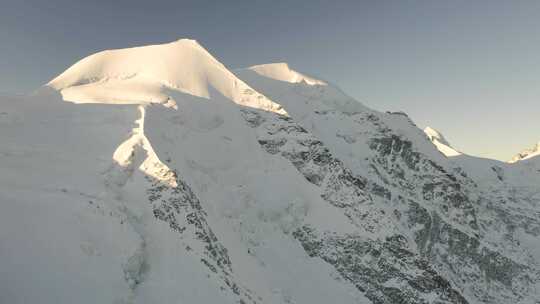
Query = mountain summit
x=153 y=74
x=527 y=153
x=167 y=178
x=440 y=142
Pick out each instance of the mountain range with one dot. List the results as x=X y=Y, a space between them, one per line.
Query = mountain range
x=155 y=174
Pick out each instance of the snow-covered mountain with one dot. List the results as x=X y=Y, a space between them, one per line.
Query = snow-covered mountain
x=153 y=74
x=440 y=142
x=156 y=175
x=527 y=153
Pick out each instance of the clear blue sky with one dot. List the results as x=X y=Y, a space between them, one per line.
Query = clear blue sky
x=468 y=68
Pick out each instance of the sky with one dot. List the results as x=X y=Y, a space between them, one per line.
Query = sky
x=469 y=69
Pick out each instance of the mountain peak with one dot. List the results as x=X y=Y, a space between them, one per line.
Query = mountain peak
x=434 y=134
x=440 y=142
x=150 y=74
x=282 y=71
x=188 y=42
x=527 y=153
x=178 y=64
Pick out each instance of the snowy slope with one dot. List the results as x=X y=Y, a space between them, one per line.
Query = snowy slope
x=167 y=178
x=440 y=142
x=150 y=74
x=58 y=236
x=188 y=185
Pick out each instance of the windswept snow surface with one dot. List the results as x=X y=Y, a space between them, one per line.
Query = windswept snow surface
x=281 y=71
x=440 y=142
x=167 y=178
x=150 y=74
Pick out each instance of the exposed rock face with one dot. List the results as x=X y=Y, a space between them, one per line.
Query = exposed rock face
x=385 y=270
x=442 y=256
x=441 y=216
x=181 y=209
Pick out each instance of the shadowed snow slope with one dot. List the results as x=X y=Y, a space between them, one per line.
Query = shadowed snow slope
x=182 y=182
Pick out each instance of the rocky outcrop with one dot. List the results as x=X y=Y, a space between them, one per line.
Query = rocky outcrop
x=427 y=244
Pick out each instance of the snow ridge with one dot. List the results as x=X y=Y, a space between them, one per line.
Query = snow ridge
x=152 y=74
x=440 y=142
x=282 y=72
x=526 y=154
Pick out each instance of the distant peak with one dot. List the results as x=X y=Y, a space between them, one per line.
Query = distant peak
x=281 y=71
x=527 y=153
x=440 y=142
